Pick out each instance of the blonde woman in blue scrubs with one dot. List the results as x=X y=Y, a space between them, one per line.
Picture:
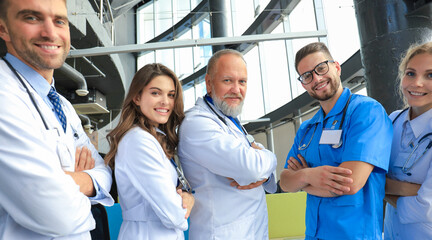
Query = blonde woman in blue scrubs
x=142 y=146
x=409 y=181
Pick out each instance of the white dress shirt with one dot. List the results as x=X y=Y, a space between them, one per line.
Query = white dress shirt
x=210 y=152
x=37 y=199
x=412 y=219
x=146 y=183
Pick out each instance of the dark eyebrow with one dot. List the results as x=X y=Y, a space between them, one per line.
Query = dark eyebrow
x=155 y=88
x=38 y=14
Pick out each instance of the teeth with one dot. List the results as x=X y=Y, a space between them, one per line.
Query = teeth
x=49 y=47
x=417 y=93
x=162 y=110
x=321 y=86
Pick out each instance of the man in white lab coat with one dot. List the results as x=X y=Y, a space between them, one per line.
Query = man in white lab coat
x=50 y=173
x=226 y=168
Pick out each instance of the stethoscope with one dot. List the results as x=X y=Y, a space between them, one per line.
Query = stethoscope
x=33 y=100
x=337 y=145
x=248 y=137
x=182 y=179
x=405 y=167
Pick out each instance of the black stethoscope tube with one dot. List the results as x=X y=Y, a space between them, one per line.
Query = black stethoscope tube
x=28 y=91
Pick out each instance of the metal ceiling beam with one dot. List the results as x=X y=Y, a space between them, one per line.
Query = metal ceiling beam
x=98 y=51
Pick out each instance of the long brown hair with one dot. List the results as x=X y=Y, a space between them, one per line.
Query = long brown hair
x=131 y=114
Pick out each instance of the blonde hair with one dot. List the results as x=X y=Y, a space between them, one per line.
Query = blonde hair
x=131 y=114
x=413 y=50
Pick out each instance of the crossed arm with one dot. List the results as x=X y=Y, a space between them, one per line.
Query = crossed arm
x=395 y=189
x=83 y=161
x=325 y=181
x=252 y=185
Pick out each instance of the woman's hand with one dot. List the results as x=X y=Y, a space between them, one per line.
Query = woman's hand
x=188 y=201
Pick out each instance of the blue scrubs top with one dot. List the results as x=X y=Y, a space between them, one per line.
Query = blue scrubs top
x=367 y=136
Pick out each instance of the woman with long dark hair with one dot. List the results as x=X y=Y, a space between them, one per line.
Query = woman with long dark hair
x=142 y=147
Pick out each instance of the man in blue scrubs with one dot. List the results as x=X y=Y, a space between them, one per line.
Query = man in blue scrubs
x=340 y=156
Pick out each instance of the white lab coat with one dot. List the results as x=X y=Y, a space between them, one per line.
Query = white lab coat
x=146 y=184
x=37 y=199
x=412 y=219
x=210 y=151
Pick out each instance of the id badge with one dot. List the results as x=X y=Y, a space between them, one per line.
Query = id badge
x=330 y=136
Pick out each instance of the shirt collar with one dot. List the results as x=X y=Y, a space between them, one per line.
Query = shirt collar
x=420 y=124
x=36 y=81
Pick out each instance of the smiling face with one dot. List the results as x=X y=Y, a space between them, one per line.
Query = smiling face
x=417 y=84
x=156 y=100
x=37 y=33
x=227 y=84
x=325 y=87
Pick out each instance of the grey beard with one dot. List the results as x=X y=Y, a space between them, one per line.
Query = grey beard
x=225 y=108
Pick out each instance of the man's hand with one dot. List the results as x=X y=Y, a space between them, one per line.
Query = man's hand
x=294 y=164
x=250 y=186
x=188 y=201
x=330 y=179
x=83 y=159
x=254 y=145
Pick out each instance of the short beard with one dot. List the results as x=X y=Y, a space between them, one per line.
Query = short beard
x=333 y=90
x=224 y=107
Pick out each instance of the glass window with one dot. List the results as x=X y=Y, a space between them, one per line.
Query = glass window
x=189 y=98
x=343 y=36
x=166 y=57
x=163 y=16
x=203 y=53
x=243 y=15
x=275 y=72
x=301 y=19
x=200 y=89
x=145 y=23
x=194 y=3
x=184 y=58
x=183 y=9
x=253 y=107
x=261 y=5
x=146 y=59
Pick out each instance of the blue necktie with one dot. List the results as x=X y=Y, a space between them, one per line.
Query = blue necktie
x=55 y=100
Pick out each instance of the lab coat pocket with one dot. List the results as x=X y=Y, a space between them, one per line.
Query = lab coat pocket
x=243 y=228
x=349 y=200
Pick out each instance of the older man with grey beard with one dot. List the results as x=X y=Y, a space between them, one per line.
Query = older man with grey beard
x=226 y=167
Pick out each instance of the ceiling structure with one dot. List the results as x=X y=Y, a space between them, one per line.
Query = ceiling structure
x=104 y=76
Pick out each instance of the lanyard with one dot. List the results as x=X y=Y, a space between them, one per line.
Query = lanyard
x=249 y=137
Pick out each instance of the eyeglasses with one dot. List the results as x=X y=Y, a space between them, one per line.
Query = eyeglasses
x=320 y=69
